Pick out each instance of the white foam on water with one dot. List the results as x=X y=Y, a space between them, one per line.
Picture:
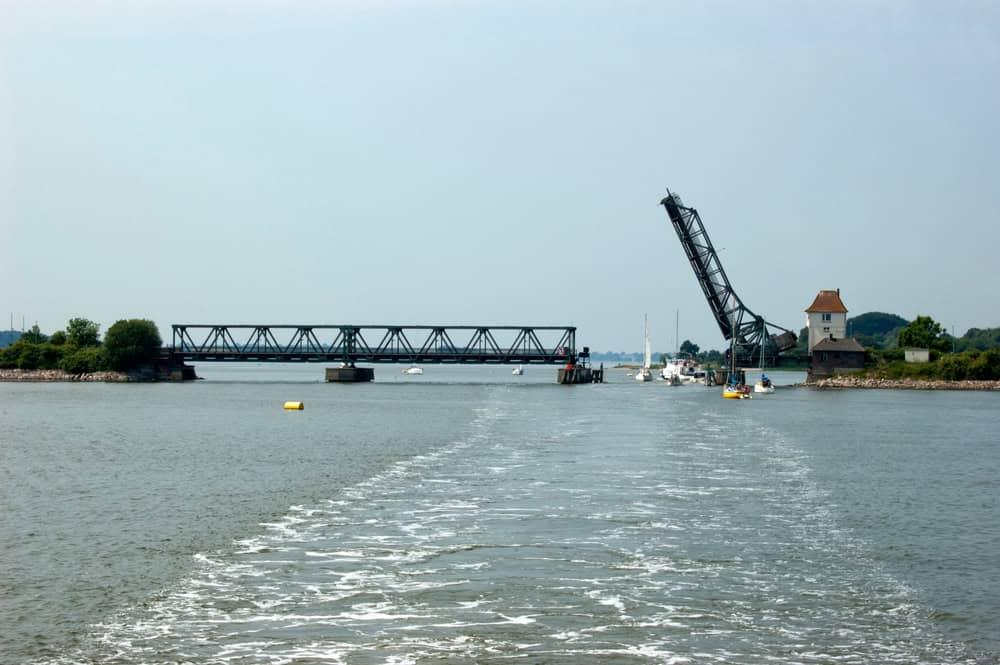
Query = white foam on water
x=717 y=546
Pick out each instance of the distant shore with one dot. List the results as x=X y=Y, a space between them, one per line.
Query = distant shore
x=58 y=375
x=903 y=384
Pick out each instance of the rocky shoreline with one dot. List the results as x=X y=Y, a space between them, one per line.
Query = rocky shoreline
x=53 y=375
x=903 y=384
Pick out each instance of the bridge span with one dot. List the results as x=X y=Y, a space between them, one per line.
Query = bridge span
x=348 y=345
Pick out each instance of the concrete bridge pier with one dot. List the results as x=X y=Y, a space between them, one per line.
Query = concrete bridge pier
x=349 y=374
x=579 y=374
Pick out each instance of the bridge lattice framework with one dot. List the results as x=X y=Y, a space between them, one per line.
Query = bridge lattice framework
x=350 y=344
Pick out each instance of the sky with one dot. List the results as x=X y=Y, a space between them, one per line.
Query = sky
x=495 y=162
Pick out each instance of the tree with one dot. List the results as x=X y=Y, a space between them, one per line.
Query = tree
x=979 y=338
x=925 y=333
x=34 y=336
x=131 y=343
x=82 y=333
x=58 y=338
x=689 y=347
x=876 y=329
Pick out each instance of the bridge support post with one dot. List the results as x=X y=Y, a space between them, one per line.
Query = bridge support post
x=579 y=374
x=349 y=374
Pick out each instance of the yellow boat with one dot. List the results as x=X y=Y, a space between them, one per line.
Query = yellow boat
x=735 y=392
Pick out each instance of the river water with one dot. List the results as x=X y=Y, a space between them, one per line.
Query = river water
x=468 y=515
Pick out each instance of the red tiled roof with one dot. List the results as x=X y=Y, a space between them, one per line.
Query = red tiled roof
x=828 y=301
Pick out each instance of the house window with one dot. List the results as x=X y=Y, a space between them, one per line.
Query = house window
x=826 y=316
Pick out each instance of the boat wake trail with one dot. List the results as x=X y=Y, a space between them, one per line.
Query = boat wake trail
x=545 y=534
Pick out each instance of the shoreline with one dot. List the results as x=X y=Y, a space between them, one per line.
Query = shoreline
x=869 y=383
x=60 y=376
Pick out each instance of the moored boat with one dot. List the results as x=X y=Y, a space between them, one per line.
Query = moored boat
x=679 y=371
x=645 y=373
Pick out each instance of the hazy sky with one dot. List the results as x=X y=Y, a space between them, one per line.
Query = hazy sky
x=495 y=162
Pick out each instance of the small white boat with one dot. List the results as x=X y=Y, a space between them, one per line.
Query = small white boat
x=517 y=371
x=680 y=371
x=413 y=370
x=645 y=373
x=764 y=385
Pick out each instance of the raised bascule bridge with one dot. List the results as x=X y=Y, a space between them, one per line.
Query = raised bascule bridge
x=347 y=345
x=748 y=335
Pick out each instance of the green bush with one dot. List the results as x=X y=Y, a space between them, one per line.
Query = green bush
x=29 y=356
x=85 y=361
x=131 y=343
x=970 y=365
x=8 y=356
x=985 y=366
x=954 y=367
x=50 y=356
x=26 y=355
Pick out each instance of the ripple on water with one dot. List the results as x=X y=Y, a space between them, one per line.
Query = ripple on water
x=491 y=548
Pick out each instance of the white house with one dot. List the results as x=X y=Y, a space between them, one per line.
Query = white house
x=826 y=318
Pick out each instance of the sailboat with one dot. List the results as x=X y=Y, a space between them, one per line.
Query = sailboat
x=645 y=374
x=764 y=385
x=733 y=388
x=517 y=371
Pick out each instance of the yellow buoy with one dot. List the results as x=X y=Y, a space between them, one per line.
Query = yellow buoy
x=295 y=406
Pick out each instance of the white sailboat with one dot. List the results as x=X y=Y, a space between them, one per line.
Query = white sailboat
x=645 y=374
x=765 y=385
x=517 y=371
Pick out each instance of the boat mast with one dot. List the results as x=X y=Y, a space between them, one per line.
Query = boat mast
x=763 y=338
x=677 y=333
x=646 y=360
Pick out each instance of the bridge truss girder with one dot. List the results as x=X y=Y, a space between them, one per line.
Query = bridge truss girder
x=396 y=344
x=734 y=319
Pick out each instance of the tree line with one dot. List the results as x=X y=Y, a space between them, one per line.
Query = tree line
x=973 y=356
x=78 y=349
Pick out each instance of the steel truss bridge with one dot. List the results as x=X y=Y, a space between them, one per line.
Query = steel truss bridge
x=747 y=331
x=350 y=344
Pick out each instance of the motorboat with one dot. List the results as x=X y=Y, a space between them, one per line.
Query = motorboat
x=413 y=370
x=684 y=370
x=670 y=379
x=679 y=371
x=517 y=371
